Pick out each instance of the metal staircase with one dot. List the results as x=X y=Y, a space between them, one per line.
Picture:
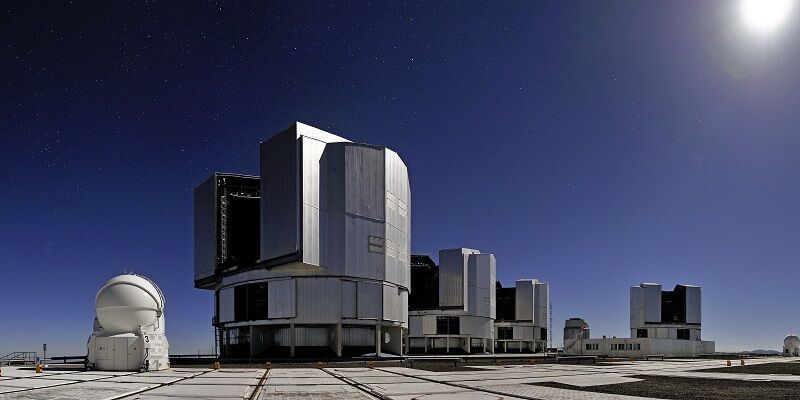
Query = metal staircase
x=19 y=358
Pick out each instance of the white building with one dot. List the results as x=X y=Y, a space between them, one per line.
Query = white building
x=664 y=323
x=462 y=318
x=523 y=317
x=312 y=256
x=791 y=346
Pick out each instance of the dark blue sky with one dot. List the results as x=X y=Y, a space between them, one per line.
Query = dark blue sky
x=593 y=145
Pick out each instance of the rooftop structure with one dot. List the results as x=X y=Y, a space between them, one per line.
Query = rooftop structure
x=663 y=323
x=129 y=330
x=322 y=264
x=522 y=317
x=460 y=318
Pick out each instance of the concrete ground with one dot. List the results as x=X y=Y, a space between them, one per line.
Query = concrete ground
x=401 y=383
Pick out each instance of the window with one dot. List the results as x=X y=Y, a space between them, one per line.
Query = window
x=505 y=332
x=544 y=334
x=257 y=301
x=592 y=346
x=240 y=303
x=637 y=346
x=250 y=302
x=629 y=346
x=641 y=333
x=447 y=325
x=683 y=334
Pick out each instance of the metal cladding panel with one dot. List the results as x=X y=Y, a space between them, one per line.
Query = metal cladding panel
x=541 y=316
x=283 y=336
x=349 y=299
x=523 y=333
x=281 y=297
x=652 y=303
x=477 y=326
x=311 y=336
x=429 y=325
x=453 y=278
x=365 y=182
x=316 y=133
x=481 y=285
x=279 y=202
x=398 y=217
x=370 y=300
x=525 y=300
x=311 y=154
x=395 y=303
x=693 y=305
x=415 y=325
x=404 y=307
x=317 y=300
x=637 y=307
x=226 y=311
x=365 y=248
x=205 y=228
x=358 y=336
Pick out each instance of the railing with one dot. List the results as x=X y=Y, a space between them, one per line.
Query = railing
x=66 y=360
x=19 y=358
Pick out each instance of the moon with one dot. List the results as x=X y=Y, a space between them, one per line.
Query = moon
x=765 y=15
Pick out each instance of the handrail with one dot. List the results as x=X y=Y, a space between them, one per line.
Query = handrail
x=25 y=357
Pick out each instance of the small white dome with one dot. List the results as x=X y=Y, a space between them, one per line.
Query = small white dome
x=791 y=341
x=127 y=302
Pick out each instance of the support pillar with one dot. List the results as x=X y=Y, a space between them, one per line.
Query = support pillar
x=377 y=340
x=292 y=340
x=337 y=340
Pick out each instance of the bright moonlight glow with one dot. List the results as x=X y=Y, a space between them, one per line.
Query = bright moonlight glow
x=765 y=15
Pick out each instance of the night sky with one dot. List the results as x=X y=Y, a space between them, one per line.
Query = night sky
x=592 y=145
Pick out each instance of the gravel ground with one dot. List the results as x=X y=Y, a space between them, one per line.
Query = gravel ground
x=663 y=387
x=788 y=368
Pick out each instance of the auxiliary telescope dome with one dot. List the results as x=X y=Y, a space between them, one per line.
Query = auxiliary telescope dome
x=791 y=341
x=128 y=302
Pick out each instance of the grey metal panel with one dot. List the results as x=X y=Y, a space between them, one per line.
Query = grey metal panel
x=283 y=336
x=316 y=133
x=311 y=154
x=279 y=202
x=205 y=228
x=429 y=325
x=361 y=336
x=522 y=332
x=393 y=303
x=693 y=312
x=415 y=325
x=316 y=300
x=281 y=296
x=365 y=184
x=541 y=315
x=349 y=299
x=365 y=247
x=226 y=312
x=311 y=336
x=480 y=284
x=637 y=307
x=398 y=203
x=652 y=302
x=524 y=300
x=370 y=300
x=453 y=278
x=477 y=326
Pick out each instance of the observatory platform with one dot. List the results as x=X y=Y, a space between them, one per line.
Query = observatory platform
x=541 y=381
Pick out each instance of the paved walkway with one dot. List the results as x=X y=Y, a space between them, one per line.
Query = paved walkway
x=482 y=383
